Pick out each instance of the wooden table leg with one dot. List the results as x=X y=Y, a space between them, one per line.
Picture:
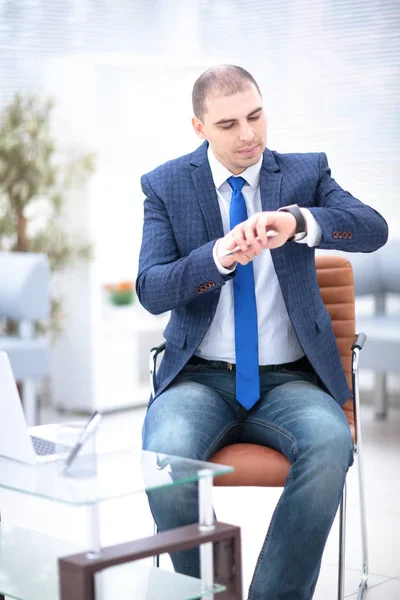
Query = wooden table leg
x=228 y=568
x=76 y=572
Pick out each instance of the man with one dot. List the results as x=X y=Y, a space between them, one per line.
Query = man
x=250 y=353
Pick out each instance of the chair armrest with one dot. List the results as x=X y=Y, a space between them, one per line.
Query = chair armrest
x=158 y=349
x=359 y=341
x=154 y=353
x=356 y=348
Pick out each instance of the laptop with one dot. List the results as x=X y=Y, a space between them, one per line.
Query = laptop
x=16 y=439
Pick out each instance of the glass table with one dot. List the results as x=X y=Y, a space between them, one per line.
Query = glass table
x=35 y=566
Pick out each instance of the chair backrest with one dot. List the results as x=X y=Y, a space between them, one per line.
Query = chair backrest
x=375 y=273
x=336 y=284
x=261 y=466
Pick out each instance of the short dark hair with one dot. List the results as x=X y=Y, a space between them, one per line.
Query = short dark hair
x=223 y=79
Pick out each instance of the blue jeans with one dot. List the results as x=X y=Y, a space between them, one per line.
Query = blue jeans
x=198 y=414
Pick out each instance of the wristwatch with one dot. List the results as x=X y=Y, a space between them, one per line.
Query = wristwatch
x=301 y=225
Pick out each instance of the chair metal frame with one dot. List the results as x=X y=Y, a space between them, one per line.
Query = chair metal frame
x=356 y=348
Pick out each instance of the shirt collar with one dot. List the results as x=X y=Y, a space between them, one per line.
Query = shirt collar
x=220 y=173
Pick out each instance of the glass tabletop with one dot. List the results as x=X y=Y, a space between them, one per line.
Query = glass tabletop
x=108 y=475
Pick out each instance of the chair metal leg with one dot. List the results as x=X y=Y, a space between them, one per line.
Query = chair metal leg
x=358 y=451
x=363 y=523
x=342 y=542
x=381 y=396
x=156 y=557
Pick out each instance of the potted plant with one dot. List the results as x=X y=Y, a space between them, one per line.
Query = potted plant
x=33 y=185
x=121 y=293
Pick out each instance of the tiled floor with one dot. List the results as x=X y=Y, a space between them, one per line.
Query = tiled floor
x=381 y=461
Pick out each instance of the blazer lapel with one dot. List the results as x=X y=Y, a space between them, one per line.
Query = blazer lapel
x=270 y=191
x=270 y=182
x=205 y=192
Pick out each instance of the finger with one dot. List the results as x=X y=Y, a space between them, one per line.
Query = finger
x=243 y=260
x=250 y=232
x=256 y=244
x=262 y=226
x=239 y=237
x=250 y=253
x=230 y=242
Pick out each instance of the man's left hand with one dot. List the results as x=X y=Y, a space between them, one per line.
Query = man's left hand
x=252 y=233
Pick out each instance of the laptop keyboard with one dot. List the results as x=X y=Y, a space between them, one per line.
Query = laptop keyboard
x=44 y=447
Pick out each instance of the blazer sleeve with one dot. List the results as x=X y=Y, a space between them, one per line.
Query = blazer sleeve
x=166 y=280
x=346 y=223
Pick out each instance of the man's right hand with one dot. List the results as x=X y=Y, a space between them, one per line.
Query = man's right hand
x=251 y=237
x=242 y=257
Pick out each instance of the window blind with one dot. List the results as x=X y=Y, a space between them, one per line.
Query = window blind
x=329 y=69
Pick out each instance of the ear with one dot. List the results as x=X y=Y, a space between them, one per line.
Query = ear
x=198 y=127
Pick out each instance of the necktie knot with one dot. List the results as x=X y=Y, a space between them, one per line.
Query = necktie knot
x=236 y=183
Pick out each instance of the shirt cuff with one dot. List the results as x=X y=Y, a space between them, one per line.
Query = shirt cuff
x=314 y=232
x=222 y=270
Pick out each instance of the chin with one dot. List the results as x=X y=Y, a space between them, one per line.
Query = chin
x=249 y=162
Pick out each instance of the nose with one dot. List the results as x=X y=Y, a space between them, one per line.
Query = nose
x=246 y=133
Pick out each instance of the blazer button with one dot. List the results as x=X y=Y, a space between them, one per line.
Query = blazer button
x=349 y=235
x=344 y=235
x=340 y=235
x=198 y=290
x=335 y=234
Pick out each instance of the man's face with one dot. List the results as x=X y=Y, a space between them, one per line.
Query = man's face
x=235 y=127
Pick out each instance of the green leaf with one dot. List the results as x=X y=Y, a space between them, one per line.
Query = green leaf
x=33 y=182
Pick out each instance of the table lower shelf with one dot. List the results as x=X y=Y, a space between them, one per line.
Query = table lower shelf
x=136 y=580
x=28 y=571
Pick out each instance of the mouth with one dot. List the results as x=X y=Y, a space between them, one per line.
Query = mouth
x=249 y=151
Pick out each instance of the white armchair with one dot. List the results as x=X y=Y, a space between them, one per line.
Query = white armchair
x=25 y=297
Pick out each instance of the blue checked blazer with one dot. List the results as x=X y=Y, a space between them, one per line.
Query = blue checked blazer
x=177 y=272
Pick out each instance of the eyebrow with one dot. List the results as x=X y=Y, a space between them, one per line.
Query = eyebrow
x=253 y=112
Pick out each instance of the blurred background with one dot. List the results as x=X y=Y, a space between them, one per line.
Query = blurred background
x=120 y=75
x=95 y=93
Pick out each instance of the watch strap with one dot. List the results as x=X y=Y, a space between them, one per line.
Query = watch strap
x=301 y=225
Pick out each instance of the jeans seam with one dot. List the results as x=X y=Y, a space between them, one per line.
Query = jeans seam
x=264 y=546
x=273 y=427
x=261 y=555
x=210 y=450
x=288 y=480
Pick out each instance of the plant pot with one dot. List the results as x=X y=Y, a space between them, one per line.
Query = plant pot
x=121 y=298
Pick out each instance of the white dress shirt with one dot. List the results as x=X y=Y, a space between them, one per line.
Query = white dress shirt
x=277 y=340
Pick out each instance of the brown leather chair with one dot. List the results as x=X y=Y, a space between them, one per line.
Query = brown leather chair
x=261 y=466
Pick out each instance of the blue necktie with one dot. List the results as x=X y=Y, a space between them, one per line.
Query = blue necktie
x=245 y=308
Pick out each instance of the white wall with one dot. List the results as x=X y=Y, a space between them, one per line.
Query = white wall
x=122 y=74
